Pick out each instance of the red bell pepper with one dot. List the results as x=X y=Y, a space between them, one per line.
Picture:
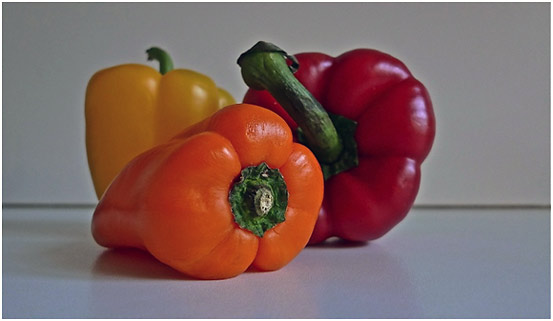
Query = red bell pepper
x=366 y=118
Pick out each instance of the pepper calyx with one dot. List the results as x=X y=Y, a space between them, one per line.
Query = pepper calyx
x=348 y=158
x=259 y=199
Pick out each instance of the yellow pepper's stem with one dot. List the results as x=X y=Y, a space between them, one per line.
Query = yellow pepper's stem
x=165 y=62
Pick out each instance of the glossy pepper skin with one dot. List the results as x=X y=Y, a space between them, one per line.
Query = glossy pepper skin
x=132 y=107
x=394 y=134
x=173 y=200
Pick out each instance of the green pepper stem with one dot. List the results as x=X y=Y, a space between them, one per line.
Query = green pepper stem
x=259 y=199
x=264 y=67
x=165 y=62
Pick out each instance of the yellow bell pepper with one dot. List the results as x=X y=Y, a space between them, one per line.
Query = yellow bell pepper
x=130 y=108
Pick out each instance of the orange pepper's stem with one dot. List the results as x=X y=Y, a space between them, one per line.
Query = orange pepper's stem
x=165 y=62
x=259 y=199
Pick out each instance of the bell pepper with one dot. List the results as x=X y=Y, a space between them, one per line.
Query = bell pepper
x=368 y=120
x=230 y=192
x=130 y=108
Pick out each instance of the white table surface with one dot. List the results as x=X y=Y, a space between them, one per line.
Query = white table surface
x=438 y=263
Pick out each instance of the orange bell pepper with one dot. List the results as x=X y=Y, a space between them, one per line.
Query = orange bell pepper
x=230 y=192
x=130 y=108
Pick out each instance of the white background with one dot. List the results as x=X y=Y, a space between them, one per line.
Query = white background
x=486 y=66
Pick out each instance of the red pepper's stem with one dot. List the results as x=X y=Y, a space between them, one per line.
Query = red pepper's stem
x=264 y=67
x=165 y=62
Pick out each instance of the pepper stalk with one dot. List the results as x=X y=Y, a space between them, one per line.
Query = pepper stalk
x=165 y=61
x=259 y=199
x=330 y=137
